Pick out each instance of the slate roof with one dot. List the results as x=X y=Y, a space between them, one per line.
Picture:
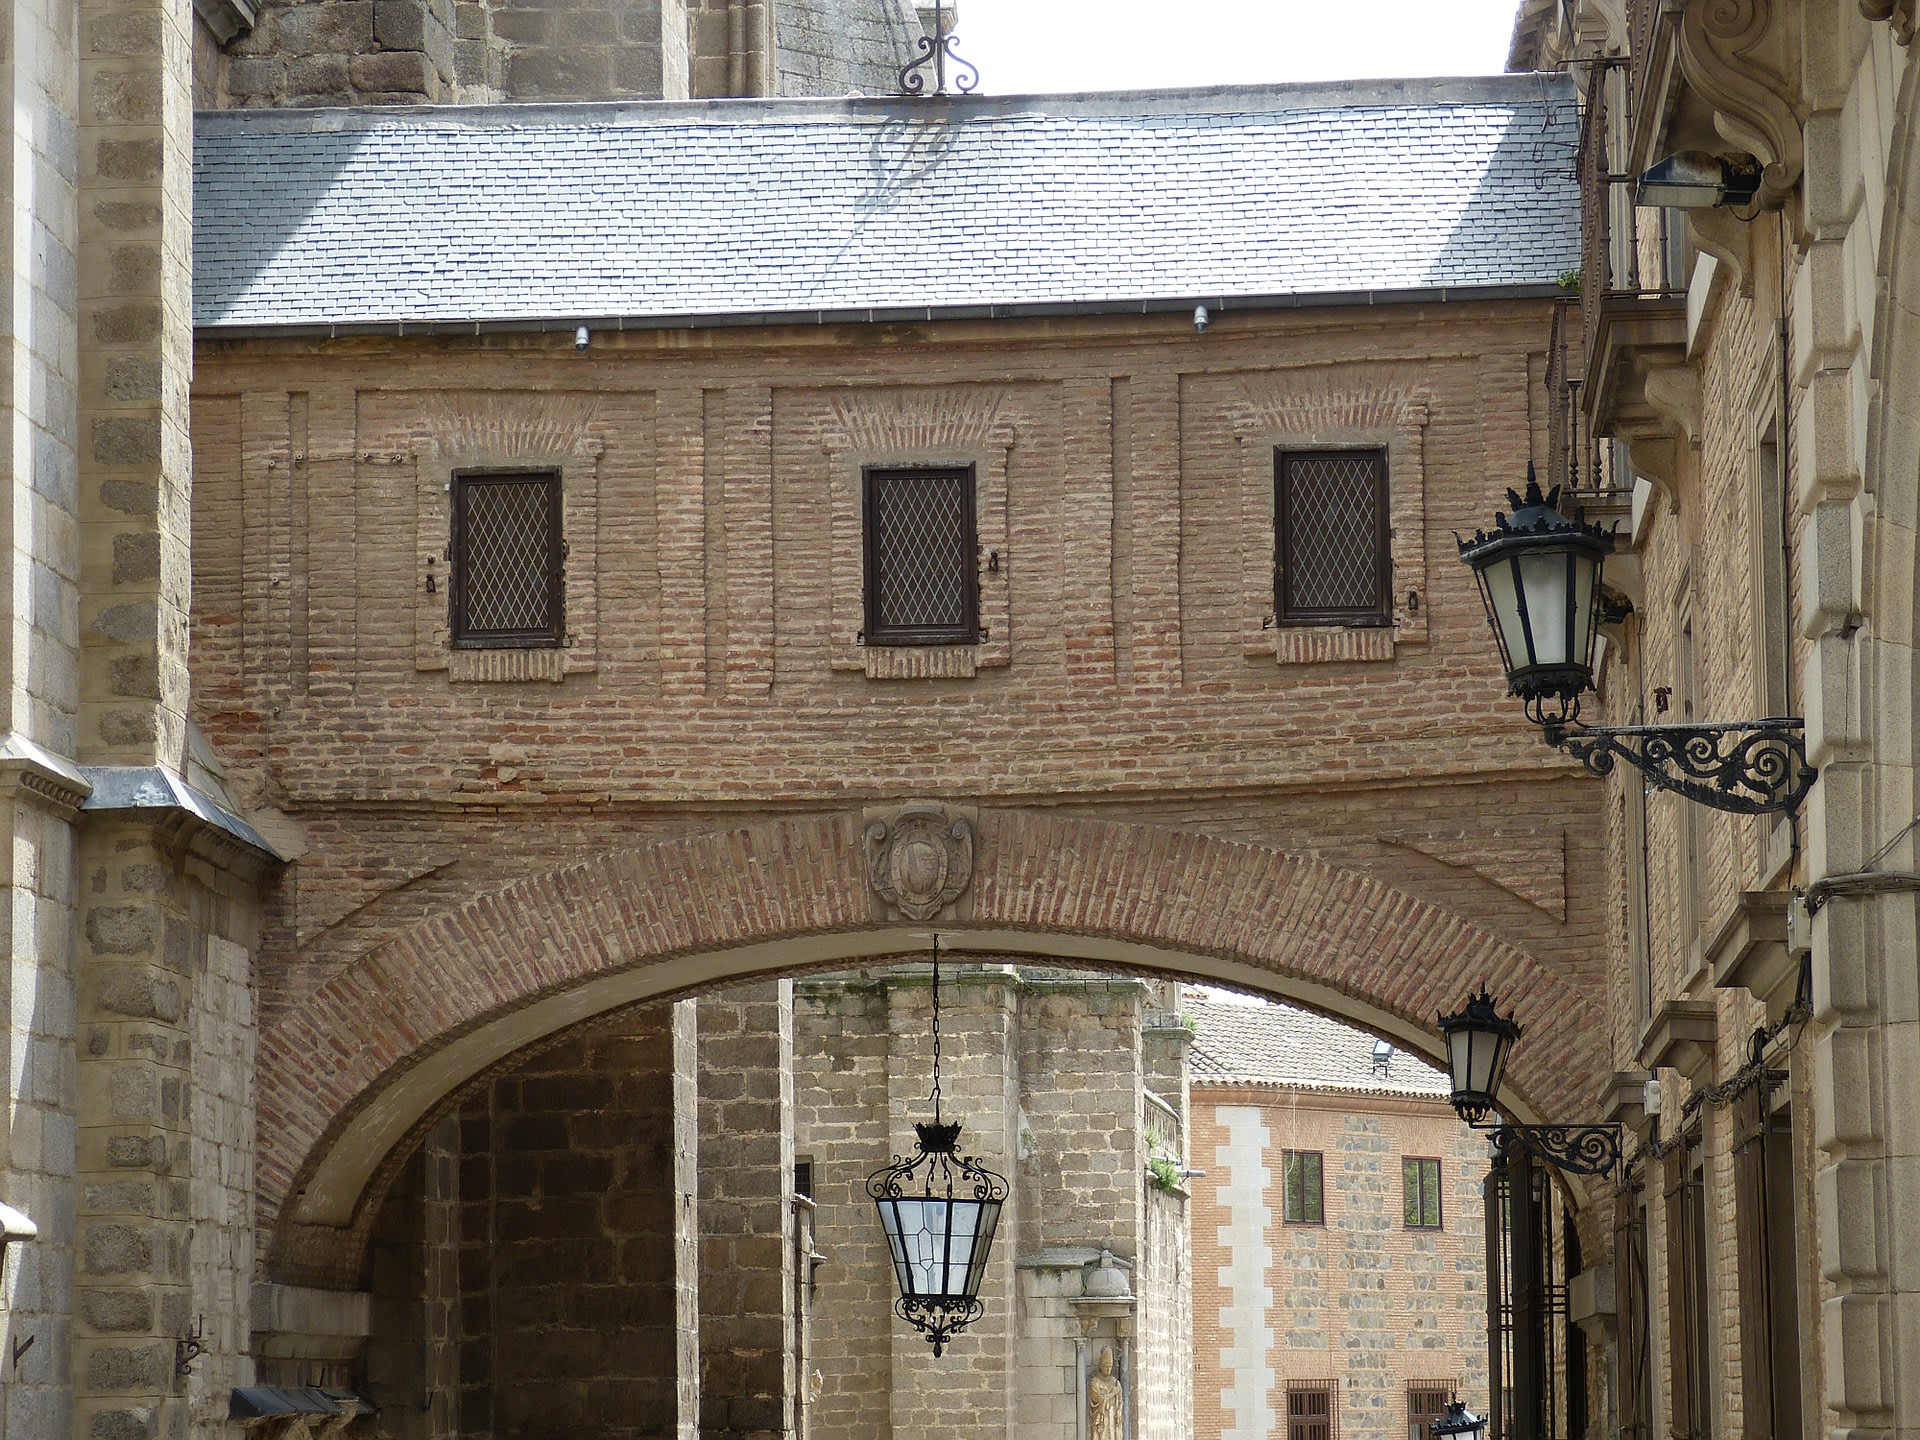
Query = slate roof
x=716 y=212
x=1246 y=1043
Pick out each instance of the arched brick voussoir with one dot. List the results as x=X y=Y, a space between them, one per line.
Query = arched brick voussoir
x=347 y=1073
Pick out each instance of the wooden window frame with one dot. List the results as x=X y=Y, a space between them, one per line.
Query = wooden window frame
x=967 y=632
x=1439 y=1199
x=462 y=636
x=1308 y=1424
x=1283 y=542
x=1286 y=1196
x=1420 y=1416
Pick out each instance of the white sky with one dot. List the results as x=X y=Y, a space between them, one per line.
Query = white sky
x=1022 y=46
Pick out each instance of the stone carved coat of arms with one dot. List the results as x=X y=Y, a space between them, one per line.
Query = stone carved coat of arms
x=921 y=860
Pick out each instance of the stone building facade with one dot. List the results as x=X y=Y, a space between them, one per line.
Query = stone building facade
x=1069 y=1084
x=1339 y=1233
x=1749 y=371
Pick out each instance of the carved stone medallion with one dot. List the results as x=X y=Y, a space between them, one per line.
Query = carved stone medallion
x=921 y=860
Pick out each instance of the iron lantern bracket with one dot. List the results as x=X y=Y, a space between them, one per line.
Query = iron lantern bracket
x=1757 y=768
x=1576 y=1149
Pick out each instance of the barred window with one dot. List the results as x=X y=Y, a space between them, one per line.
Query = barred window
x=923 y=584
x=1427 y=1401
x=1301 y=1179
x=1420 y=1182
x=1331 y=564
x=507 y=578
x=1311 y=1412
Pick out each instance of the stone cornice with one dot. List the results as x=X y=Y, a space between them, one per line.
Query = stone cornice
x=227 y=19
x=197 y=822
x=30 y=771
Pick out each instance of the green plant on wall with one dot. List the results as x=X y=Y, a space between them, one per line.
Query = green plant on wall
x=1166 y=1172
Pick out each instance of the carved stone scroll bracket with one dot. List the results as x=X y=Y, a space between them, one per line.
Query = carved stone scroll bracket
x=1904 y=15
x=1674 y=393
x=919 y=857
x=1729 y=239
x=1737 y=55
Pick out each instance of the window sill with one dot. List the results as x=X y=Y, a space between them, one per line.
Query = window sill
x=1331 y=644
x=920 y=662
x=548 y=663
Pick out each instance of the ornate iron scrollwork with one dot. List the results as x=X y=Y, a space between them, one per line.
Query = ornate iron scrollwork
x=935 y=51
x=1749 y=769
x=1577 y=1149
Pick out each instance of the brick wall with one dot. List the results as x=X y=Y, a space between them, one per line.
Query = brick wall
x=1360 y=1300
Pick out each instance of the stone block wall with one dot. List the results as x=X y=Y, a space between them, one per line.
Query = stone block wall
x=1045 y=1070
x=568 y=1270
x=843 y=47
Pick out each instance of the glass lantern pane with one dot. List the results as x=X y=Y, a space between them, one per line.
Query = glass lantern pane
x=1480 y=1072
x=988 y=1222
x=1460 y=1058
x=1503 y=599
x=1544 y=579
x=1586 y=574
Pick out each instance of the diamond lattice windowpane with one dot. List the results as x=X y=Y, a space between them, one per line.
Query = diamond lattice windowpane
x=508 y=554
x=920 y=563
x=1333 y=536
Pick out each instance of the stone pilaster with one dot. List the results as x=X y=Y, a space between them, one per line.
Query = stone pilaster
x=132 y=1296
x=747 y=1380
x=135 y=367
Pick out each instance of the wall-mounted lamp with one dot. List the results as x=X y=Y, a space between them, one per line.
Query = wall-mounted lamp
x=1478 y=1038
x=1695 y=180
x=1539 y=572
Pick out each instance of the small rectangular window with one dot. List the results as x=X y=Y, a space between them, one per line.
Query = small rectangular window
x=1331 y=561
x=1426 y=1402
x=1300 y=1175
x=923 y=584
x=1311 y=1413
x=508 y=581
x=1420 y=1180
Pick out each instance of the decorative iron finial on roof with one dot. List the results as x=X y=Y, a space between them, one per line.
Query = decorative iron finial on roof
x=936 y=49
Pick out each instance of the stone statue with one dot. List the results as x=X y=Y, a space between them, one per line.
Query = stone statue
x=1106 y=1401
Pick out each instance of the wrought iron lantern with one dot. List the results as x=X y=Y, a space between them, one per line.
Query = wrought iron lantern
x=1478 y=1038
x=1457 y=1421
x=1539 y=574
x=938 y=1209
x=1539 y=571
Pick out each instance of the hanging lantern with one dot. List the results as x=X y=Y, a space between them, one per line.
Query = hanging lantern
x=1539 y=575
x=1478 y=1038
x=938 y=1209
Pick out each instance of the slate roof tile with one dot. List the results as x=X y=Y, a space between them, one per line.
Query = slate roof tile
x=654 y=211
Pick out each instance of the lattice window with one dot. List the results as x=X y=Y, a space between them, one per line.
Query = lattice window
x=923 y=584
x=1312 y=1413
x=1331 y=563
x=1427 y=1401
x=508 y=580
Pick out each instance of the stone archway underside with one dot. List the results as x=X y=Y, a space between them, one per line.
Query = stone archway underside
x=351 y=1072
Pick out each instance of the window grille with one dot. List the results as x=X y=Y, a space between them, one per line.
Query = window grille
x=1420 y=1183
x=1300 y=1172
x=1763 y=1204
x=508 y=582
x=1690 y=1369
x=1311 y=1412
x=1331 y=562
x=1427 y=1401
x=923 y=583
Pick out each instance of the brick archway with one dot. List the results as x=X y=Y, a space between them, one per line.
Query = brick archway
x=350 y=1073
